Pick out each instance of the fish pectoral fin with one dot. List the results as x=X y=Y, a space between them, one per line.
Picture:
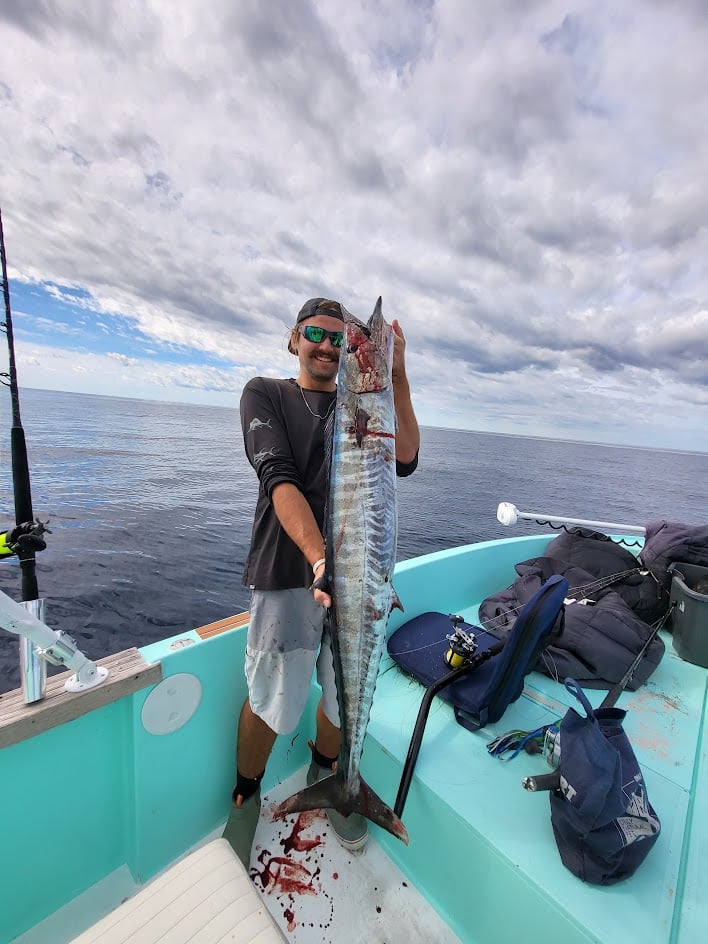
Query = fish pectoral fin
x=395 y=602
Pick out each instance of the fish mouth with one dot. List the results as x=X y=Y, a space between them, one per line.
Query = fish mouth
x=364 y=329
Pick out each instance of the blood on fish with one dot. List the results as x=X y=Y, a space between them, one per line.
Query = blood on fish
x=361 y=425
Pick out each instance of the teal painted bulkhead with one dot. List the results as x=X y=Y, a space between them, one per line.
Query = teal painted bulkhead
x=82 y=800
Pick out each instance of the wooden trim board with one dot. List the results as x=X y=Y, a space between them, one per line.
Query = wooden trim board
x=223 y=626
x=129 y=673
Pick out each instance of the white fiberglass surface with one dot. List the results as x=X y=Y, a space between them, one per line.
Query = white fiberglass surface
x=318 y=891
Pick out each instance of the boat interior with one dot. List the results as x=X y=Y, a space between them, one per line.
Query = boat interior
x=107 y=793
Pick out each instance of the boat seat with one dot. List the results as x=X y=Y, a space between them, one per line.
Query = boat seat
x=205 y=898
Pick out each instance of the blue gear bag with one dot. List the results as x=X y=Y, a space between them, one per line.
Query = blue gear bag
x=483 y=695
x=603 y=822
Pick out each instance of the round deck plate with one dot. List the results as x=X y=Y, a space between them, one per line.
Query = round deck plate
x=171 y=703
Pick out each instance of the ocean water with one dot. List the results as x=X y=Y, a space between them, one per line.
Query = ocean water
x=150 y=507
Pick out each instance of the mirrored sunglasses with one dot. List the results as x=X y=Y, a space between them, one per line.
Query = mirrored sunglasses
x=316 y=335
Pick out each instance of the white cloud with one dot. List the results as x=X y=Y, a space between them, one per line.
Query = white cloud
x=523 y=183
x=114 y=374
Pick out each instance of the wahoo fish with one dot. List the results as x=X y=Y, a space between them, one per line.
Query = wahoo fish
x=360 y=548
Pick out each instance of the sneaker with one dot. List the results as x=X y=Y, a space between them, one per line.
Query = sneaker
x=352 y=831
x=241 y=827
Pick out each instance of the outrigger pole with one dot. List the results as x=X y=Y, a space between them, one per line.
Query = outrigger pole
x=508 y=514
x=18 y=446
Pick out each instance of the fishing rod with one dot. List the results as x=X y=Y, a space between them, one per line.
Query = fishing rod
x=18 y=448
x=462 y=657
x=39 y=644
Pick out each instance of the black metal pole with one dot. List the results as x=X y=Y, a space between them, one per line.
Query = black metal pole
x=422 y=719
x=417 y=737
x=18 y=446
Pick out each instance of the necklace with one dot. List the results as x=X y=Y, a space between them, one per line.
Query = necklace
x=318 y=416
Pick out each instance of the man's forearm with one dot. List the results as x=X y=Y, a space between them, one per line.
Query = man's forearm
x=296 y=517
x=407 y=432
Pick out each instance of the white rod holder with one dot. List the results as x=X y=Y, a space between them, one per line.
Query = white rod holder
x=33 y=668
x=508 y=514
x=55 y=647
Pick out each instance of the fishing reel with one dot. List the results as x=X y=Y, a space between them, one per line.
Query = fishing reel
x=551 y=752
x=463 y=645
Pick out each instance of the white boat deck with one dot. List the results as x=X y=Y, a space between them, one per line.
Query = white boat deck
x=319 y=892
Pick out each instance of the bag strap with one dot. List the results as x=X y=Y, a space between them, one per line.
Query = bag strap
x=576 y=690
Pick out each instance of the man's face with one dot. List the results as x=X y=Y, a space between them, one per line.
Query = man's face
x=319 y=360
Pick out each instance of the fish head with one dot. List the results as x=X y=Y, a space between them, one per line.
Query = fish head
x=366 y=358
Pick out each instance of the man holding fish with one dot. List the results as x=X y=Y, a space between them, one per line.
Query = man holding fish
x=287 y=425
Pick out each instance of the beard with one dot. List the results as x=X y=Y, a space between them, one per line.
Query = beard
x=320 y=368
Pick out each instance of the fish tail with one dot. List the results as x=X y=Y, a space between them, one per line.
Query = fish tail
x=370 y=805
x=333 y=793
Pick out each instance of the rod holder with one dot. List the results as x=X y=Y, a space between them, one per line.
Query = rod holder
x=52 y=646
x=33 y=669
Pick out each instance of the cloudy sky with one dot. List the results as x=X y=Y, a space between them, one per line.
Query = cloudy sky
x=523 y=181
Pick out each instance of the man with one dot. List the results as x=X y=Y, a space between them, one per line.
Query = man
x=283 y=425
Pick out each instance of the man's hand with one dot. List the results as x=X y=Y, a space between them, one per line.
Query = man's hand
x=398 y=371
x=321 y=589
x=407 y=432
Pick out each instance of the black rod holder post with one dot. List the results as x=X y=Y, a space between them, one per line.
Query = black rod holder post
x=418 y=730
x=18 y=447
x=422 y=719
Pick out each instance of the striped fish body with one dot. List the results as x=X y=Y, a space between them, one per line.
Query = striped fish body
x=361 y=525
x=361 y=554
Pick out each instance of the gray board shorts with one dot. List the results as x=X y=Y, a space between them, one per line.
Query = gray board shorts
x=287 y=640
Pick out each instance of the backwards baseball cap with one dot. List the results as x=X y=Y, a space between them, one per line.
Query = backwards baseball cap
x=320 y=306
